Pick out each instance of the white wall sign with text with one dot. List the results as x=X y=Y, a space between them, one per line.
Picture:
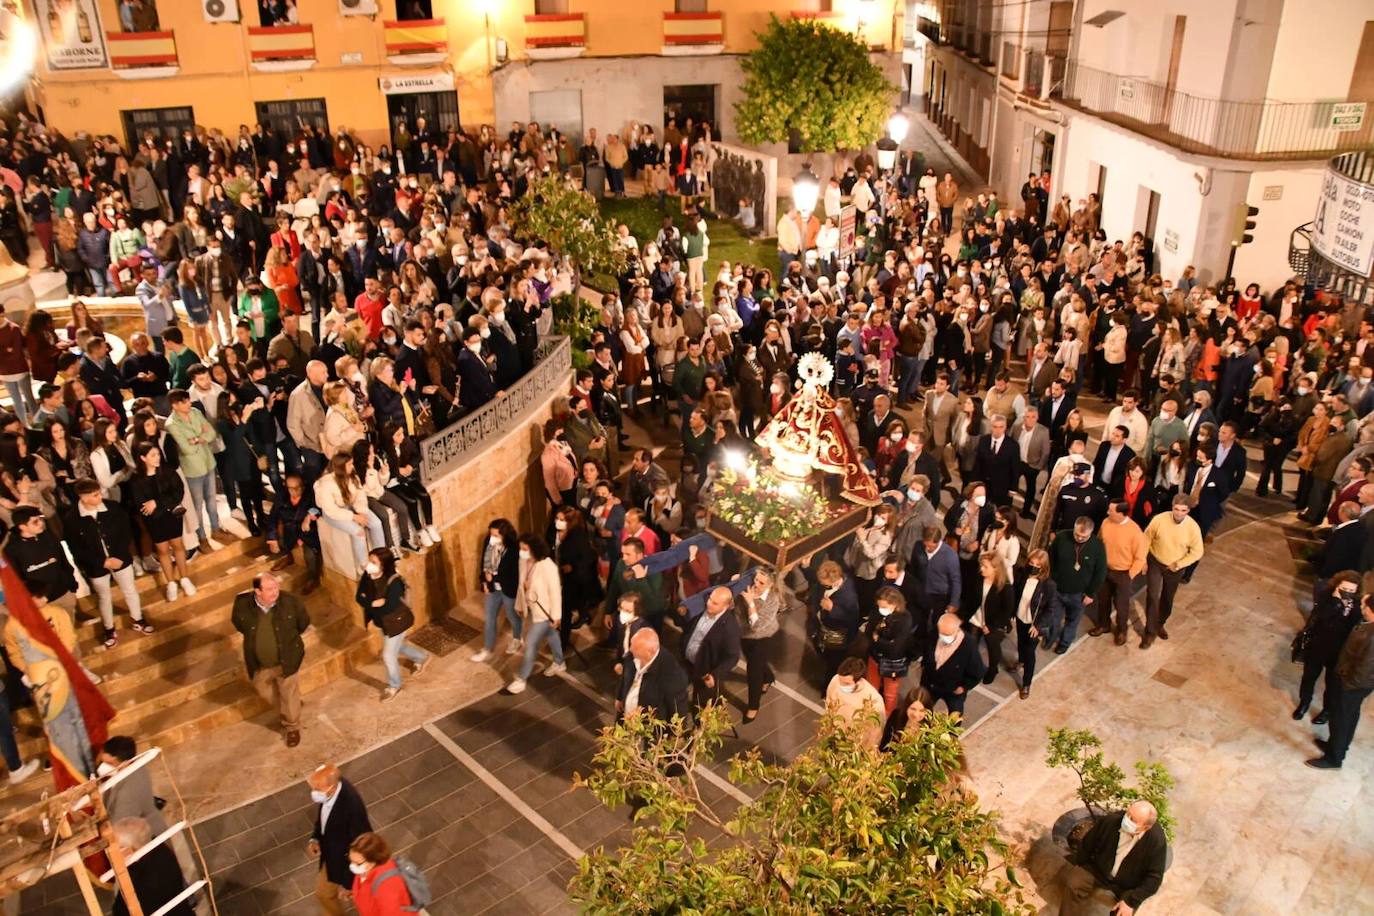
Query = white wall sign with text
x=1348 y=115
x=72 y=34
x=417 y=82
x=1343 y=229
x=1171 y=239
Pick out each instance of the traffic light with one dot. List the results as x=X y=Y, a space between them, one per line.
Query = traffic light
x=1244 y=224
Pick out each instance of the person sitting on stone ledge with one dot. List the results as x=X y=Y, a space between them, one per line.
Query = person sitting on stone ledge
x=1118 y=865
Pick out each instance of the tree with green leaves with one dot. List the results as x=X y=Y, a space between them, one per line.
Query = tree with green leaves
x=556 y=211
x=817 y=80
x=1101 y=785
x=840 y=829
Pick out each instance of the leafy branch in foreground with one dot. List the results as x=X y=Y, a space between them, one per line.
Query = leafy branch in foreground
x=840 y=829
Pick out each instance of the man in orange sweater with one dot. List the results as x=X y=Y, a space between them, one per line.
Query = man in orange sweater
x=1127 y=550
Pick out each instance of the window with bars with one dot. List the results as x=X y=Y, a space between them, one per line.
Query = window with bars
x=288 y=115
x=161 y=123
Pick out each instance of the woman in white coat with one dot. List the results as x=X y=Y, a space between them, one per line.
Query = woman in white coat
x=539 y=600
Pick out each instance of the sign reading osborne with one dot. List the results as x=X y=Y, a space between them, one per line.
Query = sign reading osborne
x=1343 y=230
x=458 y=443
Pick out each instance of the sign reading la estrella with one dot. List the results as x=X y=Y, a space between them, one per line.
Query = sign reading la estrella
x=417 y=82
x=1343 y=229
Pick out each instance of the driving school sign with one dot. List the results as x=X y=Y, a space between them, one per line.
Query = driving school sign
x=1343 y=229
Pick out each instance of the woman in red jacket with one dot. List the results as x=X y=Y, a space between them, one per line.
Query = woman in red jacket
x=378 y=888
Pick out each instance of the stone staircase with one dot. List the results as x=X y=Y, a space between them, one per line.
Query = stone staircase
x=187 y=678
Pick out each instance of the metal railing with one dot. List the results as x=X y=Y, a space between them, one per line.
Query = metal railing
x=465 y=439
x=1263 y=130
x=1319 y=273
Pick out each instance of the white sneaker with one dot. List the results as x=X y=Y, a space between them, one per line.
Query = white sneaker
x=433 y=534
x=554 y=669
x=210 y=544
x=24 y=772
x=390 y=692
x=91 y=675
x=515 y=647
x=425 y=539
x=482 y=656
x=516 y=686
x=188 y=587
x=172 y=592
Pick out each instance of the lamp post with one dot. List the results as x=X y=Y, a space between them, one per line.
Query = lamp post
x=806 y=189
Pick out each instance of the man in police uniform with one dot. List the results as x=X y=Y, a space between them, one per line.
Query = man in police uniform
x=1080 y=499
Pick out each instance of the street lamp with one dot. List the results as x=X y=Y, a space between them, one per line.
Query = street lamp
x=897 y=127
x=806 y=188
x=887 y=154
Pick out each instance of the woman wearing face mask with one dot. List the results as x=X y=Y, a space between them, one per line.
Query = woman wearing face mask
x=1169 y=476
x=1277 y=430
x=889 y=637
x=1334 y=615
x=749 y=376
x=577 y=568
x=391 y=401
x=779 y=393
x=1001 y=538
x=890 y=447
x=1310 y=438
x=498 y=571
x=758 y=607
x=539 y=600
x=382 y=596
x=1037 y=609
x=342 y=425
x=990 y=609
x=969 y=427
x=966 y=521
x=375 y=475
x=868 y=550
x=378 y=887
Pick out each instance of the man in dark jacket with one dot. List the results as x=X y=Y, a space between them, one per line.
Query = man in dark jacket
x=1349 y=683
x=102 y=376
x=272 y=623
x=339 y=820
x=1335 y=612
x=1120 y=861
x=655 y=682
x=997 y=462
x=295 y=520
x=99 y=535
x=952 y=665
x=37 y=556
x=711 y=646
x=475 y=385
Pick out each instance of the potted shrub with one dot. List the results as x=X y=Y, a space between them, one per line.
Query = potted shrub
x=1102 y=786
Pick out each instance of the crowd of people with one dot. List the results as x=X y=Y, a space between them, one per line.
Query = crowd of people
x=314 y=307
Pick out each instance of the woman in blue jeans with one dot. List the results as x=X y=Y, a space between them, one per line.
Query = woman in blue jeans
x=341 y=498
x=539 y=599
x=499 y=572
x=382 y=596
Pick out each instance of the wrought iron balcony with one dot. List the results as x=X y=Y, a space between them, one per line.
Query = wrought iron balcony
x=1266 y=130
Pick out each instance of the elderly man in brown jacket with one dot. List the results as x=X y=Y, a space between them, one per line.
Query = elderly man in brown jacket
x=946 y=194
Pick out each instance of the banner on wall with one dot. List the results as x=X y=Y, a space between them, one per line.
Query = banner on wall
x=72 y=34
x=357 y=7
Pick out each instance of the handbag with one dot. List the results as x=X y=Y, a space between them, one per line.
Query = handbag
x=1300 y=643
x=893 y=667
x=833 y=639
x=259 y=459
x=399 y=620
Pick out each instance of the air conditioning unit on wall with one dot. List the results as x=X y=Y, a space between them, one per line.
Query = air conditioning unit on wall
x=220 y=10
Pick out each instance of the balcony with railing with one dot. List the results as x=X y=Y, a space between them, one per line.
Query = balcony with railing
x=143 y=55
x=555 y=35
x=1263 y=130
x=416 y=42
x=275 y=48
x=693 y=33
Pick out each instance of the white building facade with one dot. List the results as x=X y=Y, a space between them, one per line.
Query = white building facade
x=1177 y=113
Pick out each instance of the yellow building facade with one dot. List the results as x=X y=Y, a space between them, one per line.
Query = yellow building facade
x=365 y=72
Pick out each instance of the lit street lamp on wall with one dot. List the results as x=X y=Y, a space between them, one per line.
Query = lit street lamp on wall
x=897 y=127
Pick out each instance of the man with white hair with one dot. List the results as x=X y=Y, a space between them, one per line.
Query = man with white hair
x=1118 y=865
